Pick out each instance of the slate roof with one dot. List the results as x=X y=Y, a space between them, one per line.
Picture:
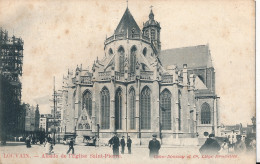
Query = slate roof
x=194 y=57
x=232 y=127
x=127 y=22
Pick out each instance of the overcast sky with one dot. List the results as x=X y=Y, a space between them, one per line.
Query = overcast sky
x=58 y=36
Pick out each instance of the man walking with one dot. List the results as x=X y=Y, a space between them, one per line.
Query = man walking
x=71 y=146
x=115 y=142
x=154 y=146
x=210 y=147
x=129 y=143
x=48 y=147
x=122 y=142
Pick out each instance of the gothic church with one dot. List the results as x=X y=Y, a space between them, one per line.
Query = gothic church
x=138 y=90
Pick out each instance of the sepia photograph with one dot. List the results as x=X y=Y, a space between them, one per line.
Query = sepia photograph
x=127 y=81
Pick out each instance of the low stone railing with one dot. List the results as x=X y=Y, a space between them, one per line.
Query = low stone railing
x=131 y=76
x=124 y=36
x=119 y=76
x=146 y=75
x=167 y=79
x=104 y=75
x=86 y=79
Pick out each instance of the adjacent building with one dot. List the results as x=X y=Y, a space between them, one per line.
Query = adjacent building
x=32 y=119
x=11 y=109
x=137 y=89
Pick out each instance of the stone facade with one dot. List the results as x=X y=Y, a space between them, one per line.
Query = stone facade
x=132 y=92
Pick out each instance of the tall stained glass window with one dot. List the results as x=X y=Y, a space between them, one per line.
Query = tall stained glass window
x=165 y=106
x=145 y=104
x=105 y=109
x=118 y=109
x=87 y=102
x=205 y=113
x=132 y=108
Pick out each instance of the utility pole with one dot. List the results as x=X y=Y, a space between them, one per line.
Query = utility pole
x=54 y=109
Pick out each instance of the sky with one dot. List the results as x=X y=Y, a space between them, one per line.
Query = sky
x=59 y=36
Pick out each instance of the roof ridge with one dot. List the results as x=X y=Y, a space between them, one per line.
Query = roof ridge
x=186 y=47
x=127 y=22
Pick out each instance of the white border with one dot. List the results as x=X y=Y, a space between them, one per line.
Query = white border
x=257 y=78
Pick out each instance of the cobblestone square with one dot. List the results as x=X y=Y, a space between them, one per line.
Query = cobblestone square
x=18 y=153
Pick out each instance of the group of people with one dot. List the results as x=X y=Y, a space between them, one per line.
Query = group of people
x=49 y=145
x=212 y=147
x=154 y=145
x=33 y=140
x=115 y=143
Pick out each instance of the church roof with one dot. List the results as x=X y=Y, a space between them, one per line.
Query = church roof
x=151 y=21
x=127 y=22
x=194 y=57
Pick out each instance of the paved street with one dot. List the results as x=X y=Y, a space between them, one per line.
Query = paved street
x=17 y=152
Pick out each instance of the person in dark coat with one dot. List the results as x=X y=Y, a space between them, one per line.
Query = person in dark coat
x=122 y=142
x=129 y=143
x=154 y=146
x=210 y=147
x=114 y=141
x=240 y=146
x=71 y=146
x=94 y=141
x=28 y=142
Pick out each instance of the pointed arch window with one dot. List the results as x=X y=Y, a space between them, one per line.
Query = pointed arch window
x=132 y=108
x=147 y=33
x=87 y=102
x=118 y=109
x=105 y=109
x=121 y=53
x=145 y=104
x=144 y=51
x=73 y=100
x=80 y=126
x=133 y=59
x=165 y=106
x=87 y=126
x=179 y=109
x=205 y=114
x=110 y=52
x=152 y=34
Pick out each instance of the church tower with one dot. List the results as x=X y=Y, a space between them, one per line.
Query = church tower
x=152 y=29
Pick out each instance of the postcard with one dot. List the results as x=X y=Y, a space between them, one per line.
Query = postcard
x=127 y=81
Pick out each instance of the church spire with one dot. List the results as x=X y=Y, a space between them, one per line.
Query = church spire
x=151 y=15
x=127 y=22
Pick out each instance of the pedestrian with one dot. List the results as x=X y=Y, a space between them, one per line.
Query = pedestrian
x=28 y=142
x=224 y=147
x=129 y=143
x=114 y=141
x=211 y=146
x=71 y=143
x=94 y=140
x=48 y=147
x=240 y=146
x=154 y=146
x=122 y=142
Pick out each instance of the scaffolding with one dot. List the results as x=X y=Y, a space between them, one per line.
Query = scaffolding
x=11 y=59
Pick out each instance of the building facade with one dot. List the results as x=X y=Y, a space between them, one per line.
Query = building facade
x=32 y=118
x=11 y=110
x=43 y=123
x=138 y=90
